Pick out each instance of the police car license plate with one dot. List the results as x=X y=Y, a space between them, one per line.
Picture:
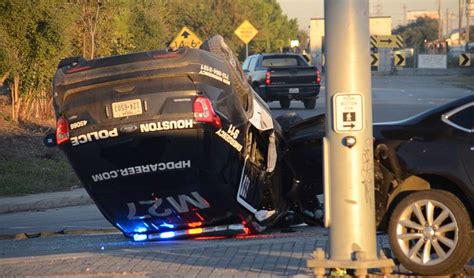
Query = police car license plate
x=127 y=108
x=294 y=90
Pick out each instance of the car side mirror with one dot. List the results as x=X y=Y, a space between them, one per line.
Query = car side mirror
x=50 y=140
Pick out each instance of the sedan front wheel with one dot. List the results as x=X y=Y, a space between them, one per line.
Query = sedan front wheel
x=429 y=232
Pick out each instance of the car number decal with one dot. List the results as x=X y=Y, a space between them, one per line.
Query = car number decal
x=77 y=124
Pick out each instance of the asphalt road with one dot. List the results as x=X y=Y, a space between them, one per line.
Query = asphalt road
x=394 y=98
x=53 y=220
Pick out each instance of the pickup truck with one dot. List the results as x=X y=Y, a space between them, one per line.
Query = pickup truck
x=283 y=77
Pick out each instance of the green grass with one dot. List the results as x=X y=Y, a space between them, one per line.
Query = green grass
x=20 y=175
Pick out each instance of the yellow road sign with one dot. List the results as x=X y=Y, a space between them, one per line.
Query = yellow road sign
x=393 y=41
x=465 y=60
x=246 y=32
x=186 y=38
x=374 y=59
x=399 y=60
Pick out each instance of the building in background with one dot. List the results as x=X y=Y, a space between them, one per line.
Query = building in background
x=378 y=25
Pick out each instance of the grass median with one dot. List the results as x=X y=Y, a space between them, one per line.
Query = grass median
x=26 y=165
x=20 y=176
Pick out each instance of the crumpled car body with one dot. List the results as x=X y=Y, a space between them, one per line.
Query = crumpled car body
x=172 y=144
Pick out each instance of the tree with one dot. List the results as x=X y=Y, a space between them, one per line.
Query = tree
x=104 y=27
x=90 y=18
x=303 y=38
x=419 y=31
x=36 y=34
x=149 y=28
x=32 y=41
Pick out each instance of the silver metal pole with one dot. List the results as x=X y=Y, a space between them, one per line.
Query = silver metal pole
x=440 y=24
x=349 y=130
x=246 y=50
x=460 y=19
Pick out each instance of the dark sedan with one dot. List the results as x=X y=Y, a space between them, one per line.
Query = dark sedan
x=425 y=186
x=424 y=182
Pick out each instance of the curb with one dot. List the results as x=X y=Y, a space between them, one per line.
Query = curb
x=24 y=236
x=76 y=197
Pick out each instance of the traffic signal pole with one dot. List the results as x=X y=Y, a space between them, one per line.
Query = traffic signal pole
x=348 y=145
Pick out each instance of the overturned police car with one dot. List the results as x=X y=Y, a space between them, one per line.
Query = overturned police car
x=173 y=144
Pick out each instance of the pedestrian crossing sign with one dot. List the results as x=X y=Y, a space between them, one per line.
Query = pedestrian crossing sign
x=347 y=112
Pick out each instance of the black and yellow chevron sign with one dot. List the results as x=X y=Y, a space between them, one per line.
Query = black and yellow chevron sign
x=465 y=60
x=374 y=59
x=392 y=41
x=399 y=60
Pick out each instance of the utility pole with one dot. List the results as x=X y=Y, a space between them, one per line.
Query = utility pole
x=468 y=14
x=404 y=15
x=440 y=23
x=447 y=21
x=348 y=143
x=460 y=19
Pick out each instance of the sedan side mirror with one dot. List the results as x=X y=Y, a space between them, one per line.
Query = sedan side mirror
x=50 y=140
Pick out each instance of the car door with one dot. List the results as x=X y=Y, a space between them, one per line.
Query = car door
x=462 y=120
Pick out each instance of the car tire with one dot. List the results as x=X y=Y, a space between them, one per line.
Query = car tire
x=285 y=103
x=309 y=103
x=217 y=46
x=71 y=61
x=429 y=232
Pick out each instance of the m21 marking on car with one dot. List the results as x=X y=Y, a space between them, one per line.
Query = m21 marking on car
x=141 y=169
x=166 y=125
x=160 y=206
x=230 y=138
x=94 y=136
x=78 y=124
x=215 y=74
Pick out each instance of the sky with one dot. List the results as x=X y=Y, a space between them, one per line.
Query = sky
x=304 y=10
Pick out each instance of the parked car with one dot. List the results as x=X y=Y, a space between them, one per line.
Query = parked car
x=172 y=144
x=426 y=190
x=424 y=182
x=283 y=77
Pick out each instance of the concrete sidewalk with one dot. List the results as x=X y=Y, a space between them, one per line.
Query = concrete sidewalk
x=75 y=197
